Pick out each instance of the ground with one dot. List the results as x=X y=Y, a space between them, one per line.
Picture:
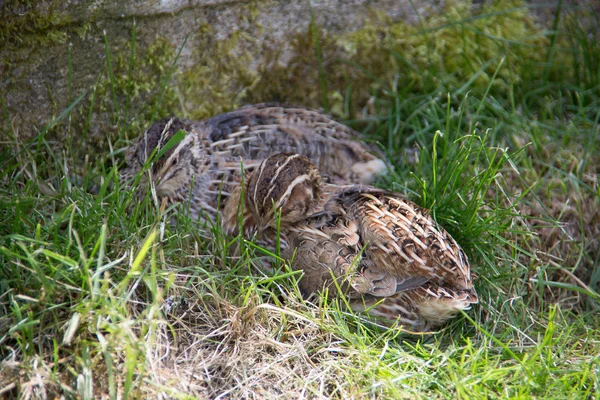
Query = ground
x=487 y=118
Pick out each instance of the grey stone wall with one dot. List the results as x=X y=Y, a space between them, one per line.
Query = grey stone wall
x=52 y=51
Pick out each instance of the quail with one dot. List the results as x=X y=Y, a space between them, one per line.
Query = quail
x=215 y=154
x=383 y=252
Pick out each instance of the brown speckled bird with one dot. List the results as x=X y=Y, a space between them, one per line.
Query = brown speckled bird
x=206 y=164
x=387 y=254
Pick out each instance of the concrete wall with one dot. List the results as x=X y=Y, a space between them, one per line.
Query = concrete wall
x=51 y=51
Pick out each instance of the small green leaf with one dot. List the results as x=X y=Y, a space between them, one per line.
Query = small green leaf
x=174 y=141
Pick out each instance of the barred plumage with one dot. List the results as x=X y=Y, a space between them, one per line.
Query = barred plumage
x=206 y=164
x=386 y=253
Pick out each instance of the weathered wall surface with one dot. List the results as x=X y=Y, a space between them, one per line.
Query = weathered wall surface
x=119 y=54
x=52 y=51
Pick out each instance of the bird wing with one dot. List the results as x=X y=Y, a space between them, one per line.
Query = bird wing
x=257 y=131
x=405 y=241
x=320 y=258
x=332 y=245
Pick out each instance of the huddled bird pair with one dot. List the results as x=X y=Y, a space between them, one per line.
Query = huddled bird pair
x=295 y=172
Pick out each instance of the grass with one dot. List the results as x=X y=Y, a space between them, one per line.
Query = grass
x=102 y=294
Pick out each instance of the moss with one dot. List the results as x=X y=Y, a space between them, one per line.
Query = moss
x=462 y=43
x=222 y=74
x=297 y=81
x=138 y=85
x=578 y=47
x=25 y=25
x=441 y=52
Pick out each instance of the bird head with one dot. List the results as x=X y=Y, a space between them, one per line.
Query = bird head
x=170 y=162
x=285 y=184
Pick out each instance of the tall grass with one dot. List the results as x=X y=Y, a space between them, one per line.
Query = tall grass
x=102 y=294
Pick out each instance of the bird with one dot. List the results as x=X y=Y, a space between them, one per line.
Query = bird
x=215 y=154
x=384 y=253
